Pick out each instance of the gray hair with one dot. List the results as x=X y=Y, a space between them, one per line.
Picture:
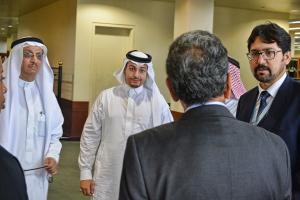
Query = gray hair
x=197 y=67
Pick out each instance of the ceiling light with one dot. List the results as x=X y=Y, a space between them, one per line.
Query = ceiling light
x=2 y=29
x=9 y=26
x=294 y=22
x=297 y=33
x=296 y=28
x=296 y=37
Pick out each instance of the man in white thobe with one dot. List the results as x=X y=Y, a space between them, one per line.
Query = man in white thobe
x=119 y=112
x=31 y=124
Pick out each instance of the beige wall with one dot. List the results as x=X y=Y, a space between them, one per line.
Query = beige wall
x=233 y=27
x=68 y=30
x=153 y=33
x=55 y=25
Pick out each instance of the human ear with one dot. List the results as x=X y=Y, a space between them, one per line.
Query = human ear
x=169 y=85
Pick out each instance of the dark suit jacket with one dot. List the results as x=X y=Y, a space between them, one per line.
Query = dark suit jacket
x=283 y=119
x=206 y=155
x=12 y=181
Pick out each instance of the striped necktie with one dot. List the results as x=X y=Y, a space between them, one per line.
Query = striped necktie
x=263 y=102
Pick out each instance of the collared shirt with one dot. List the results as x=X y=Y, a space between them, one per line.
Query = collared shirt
x=195 y=105
x=272 y=90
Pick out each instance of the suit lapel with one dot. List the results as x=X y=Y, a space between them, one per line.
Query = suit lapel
x=278 y=107
x=250 y=104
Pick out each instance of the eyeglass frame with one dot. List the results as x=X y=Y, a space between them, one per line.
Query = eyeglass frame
x=263 y=54
x=30 y=55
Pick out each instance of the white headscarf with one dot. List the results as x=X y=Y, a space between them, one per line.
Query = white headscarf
x=44 y=80
x=149 y=84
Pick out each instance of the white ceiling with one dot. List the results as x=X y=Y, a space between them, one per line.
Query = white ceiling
x=10 y=10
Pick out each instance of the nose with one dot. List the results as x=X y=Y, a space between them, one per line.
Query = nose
x=136 y=73
x=260 y=58
x=33 y=58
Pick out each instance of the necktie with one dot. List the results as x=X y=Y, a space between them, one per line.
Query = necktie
x=263 y=102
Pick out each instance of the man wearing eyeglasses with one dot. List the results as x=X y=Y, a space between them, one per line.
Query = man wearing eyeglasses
x=31 y=124
x=275 y=103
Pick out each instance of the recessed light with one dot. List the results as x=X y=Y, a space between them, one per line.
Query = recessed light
x=2 y=29
x=294 y=22
x=9 y=26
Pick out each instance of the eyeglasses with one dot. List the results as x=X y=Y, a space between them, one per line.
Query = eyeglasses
x=29 y=55
x=266 y=54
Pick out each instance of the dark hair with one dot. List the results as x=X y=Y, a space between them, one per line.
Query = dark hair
x=197 y=67
x=270 y=33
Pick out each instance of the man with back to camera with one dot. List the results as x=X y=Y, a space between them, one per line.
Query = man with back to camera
x=133 y=106
x=275 y=103
x=31 y=124
x=12 y=182
x=207 y=153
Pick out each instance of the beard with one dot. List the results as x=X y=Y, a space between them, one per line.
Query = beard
x=265 y=78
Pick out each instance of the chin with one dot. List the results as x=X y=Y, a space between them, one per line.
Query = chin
x=134 y=86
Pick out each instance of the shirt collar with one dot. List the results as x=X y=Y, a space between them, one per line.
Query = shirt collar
x=133 y=91
x=195 y=105
x=24 y=84
x=273 y=89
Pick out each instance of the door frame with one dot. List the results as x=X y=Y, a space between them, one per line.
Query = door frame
x=92 y=68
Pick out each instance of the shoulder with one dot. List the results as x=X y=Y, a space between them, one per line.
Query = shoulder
x=155 y=136
x=261 y=137
x=296 y=84
x=5 y=154
x=249 y=93
x=107 y=93
x=8 y=160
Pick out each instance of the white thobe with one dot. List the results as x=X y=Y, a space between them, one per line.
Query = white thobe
x=231 y=105
x=30 y=142
x=117 y=113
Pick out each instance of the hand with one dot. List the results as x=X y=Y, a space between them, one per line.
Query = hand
x=50 y=165
x=87 y=187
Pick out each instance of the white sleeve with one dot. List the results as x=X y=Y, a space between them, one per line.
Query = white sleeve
x=166 y=113
x=55 y=144
x=90 y=140
x=56 y=132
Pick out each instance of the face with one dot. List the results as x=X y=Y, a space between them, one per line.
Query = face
x=264 y=69
x=32 y=60
x=135 y=75
x=2 y=88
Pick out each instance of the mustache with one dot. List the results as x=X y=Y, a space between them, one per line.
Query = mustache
x=262 y=67
x=135 y=79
